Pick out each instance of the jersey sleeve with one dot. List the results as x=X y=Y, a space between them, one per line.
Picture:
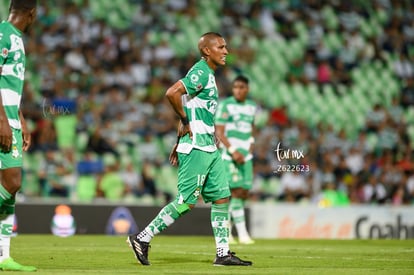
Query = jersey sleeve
x=4 y=46
x=222 y=114
x=255 y=113
x=195 y=81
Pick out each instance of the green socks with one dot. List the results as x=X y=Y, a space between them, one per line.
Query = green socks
x=4 y=195
x=172 y=211
x=167 y=216
x=6 y=226
x=220 y=224
x=237 y=213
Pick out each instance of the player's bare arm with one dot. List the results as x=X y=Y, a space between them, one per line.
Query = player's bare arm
x=254 y=130
x=173 y=95
x=6 y=135
x=235 y=155
x=173 y=158
x=5 y=130
x=27 y=140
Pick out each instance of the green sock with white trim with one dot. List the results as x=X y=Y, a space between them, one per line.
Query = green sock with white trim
x=7 y=210
x=220 y=223
x=238 y=215
x=167 y=216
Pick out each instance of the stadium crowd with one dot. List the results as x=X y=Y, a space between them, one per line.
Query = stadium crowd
x=101 y=127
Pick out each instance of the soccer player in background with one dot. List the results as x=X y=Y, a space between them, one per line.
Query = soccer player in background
x=200 y=167
x=234 y=128
x=14 y=136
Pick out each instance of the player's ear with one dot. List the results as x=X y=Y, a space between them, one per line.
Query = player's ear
x=206 y=51
x=32 y=13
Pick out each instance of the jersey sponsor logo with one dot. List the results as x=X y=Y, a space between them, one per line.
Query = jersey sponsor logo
x=212 y=106
x=4 y=52
x=211 y=82
x=16 y=43
x=17 y=56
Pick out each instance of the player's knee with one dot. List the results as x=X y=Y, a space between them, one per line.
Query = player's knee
x=223 y=200
x=16 y=183
x=11 y=182
x=237 y=193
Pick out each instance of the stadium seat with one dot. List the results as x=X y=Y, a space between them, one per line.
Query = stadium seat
x=333 y=41
x=86 y=188
x=65 y=125
x=410 y=131
x=30 y=181
x=99 y=8
x=372 y=140
x=330 y=17
x=366 y=28
x=409 y=116
x=271 y=187
x=166 y=179
x=302 y=31
x=4 y=10
x=126 y=8
x=299 y=93
x=176 y=42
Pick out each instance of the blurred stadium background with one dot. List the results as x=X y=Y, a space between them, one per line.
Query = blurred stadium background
x=332 y=78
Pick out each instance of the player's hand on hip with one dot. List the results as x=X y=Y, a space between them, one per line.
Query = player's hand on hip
x=238 y=157
x=184 y=130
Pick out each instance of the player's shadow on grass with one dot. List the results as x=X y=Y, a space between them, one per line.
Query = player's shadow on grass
x=179 y=260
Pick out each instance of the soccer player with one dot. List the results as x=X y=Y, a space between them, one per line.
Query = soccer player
x=200 y=167
x=14 y=136
x=234 y=126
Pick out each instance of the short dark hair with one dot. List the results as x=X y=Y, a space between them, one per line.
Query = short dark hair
x=242 y=78
x=22 y=4
x=212 y=33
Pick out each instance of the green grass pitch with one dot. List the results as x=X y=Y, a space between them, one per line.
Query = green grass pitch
x=99 y=254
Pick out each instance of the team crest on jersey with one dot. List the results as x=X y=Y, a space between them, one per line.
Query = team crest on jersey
x=194 y=78
x=4 y=52
x=15 y=152
x=196 y=193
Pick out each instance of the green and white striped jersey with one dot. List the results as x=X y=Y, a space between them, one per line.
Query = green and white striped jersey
x=200 y=105
x=237 y=118
x=12 y=61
